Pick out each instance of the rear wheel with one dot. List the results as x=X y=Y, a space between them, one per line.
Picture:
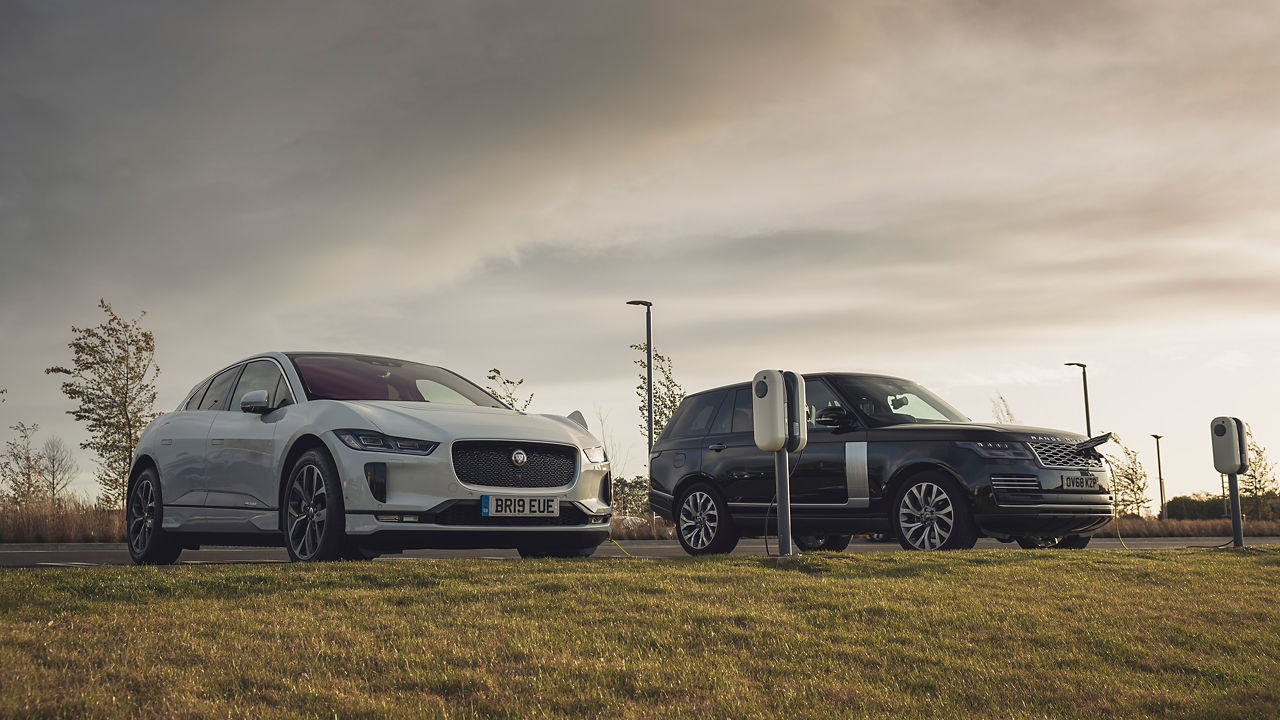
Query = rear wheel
x=312 y=514
x=1074 y=542
x=830 y=543
x=930 y=513
x=149 y=544
x=703 y=525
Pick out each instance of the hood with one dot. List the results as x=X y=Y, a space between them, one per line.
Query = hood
x=980 y=431
x=445 y=423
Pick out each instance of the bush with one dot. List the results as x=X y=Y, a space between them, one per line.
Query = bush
x=71 y=521
x=1195 y=507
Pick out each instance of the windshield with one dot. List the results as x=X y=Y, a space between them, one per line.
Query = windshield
x=886 y=401
x=356 y=377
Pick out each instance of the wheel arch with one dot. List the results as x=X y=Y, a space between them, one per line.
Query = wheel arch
x=905 y=474
x=141 y=463
x=300 y=445
x=688 y=480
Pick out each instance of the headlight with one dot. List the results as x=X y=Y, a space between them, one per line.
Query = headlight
x=377 y=442
x=1002 y=450
x=595 y=454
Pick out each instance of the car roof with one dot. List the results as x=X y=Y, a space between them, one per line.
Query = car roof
x=828 y=373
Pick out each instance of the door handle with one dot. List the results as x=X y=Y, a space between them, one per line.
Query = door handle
x=718 y=447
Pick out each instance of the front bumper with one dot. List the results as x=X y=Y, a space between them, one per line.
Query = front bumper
x=1030 y=500
x=427 y=505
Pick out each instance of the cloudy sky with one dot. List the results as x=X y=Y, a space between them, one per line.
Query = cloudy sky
x=965 y=193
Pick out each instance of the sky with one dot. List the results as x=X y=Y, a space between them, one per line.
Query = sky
x=968 y=194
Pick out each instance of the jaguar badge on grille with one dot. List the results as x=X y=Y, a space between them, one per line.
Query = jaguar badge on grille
x=519 y=458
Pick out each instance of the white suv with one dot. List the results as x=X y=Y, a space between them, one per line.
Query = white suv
x=347 y=456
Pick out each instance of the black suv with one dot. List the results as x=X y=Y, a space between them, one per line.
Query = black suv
x=884 y=455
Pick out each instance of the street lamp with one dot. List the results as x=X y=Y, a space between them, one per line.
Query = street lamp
x=1160 y=474
x=1084 y=376
x=648 y=346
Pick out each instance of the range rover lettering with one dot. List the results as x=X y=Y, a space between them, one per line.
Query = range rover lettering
x=347 y=456
x=884 y=455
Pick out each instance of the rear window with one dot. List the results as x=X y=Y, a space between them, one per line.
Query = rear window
x=694 y=415
x=357 y=377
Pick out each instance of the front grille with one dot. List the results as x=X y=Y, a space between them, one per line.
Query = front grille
x=1063 y=455
x=467 y=512
x=488 y=463
x=1025 y=484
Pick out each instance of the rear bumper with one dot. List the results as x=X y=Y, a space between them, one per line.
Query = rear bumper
x=660 y=503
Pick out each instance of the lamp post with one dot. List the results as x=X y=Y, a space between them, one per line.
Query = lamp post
x=648 y=346
x=1160 y=474
x=1084 y=377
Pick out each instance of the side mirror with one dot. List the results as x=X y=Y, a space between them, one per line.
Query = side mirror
x=256 y=402
x=834 y=417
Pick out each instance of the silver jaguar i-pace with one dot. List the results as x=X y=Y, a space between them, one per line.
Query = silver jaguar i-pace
x=348 y=456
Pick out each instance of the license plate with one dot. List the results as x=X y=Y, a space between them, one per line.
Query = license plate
x=1080 y=482
x=503 y=506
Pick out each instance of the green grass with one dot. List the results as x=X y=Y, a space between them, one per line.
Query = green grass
x=987 y=634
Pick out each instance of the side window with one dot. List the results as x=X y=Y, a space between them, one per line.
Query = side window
x=257 y=375
x=724 y=416
x=696 y=418
x=819 y=396
x=743 y=419
x=219 y=389
x=193 y=402
x=282 y=395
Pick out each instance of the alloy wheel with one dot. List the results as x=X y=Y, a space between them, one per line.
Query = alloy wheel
x=926 y=516
x=308 y=511
x=142 y=516
x=699 y=520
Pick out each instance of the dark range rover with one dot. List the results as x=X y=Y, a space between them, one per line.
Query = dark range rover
x=884 y=455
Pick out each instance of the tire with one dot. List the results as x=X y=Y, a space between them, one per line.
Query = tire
x=879 y=537
x=703 y=523
x=1074 y=542
x=1028 y=542
x=837 y=543
x=148 y=543
x=312 y=512
x=358 y=554
x=830 y=543
x=552 y=551
x=930 y=513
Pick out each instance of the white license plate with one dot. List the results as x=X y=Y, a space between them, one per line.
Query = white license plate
x=504 y=506
x=1080 y=482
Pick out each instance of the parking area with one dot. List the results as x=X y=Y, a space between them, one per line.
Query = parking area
x=89 y=555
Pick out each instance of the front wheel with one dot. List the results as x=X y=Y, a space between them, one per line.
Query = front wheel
x=930 y=513
x=703 y=525
x=312 y=513
x=149 y=544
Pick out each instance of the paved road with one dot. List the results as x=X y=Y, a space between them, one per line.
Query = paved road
x=93 y=555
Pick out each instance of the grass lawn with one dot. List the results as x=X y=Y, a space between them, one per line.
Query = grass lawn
x=981 y=634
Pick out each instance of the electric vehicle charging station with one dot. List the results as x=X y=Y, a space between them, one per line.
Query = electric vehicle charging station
x=778 y=408
x=1231 y=457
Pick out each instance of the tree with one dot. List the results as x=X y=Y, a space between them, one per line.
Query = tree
x=22 y=468
x=508 y=391
x=60 y=468
x=667 y=393
x=113 y=378
x=1128 y=481
x=1001 y=412
x=1259 y=483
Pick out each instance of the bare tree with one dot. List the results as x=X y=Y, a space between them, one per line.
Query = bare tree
x=1259 y=483
x=113 y=378
x=60 y=468
x=22 y=468
x=667 y=393
x=1128 y=481
x=508 y=391
x=1001 y=412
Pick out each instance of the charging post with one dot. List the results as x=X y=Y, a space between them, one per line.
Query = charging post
x=778 y=408
x=1231 y=457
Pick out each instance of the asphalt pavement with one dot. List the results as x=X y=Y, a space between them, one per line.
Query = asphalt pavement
x=91 y=555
